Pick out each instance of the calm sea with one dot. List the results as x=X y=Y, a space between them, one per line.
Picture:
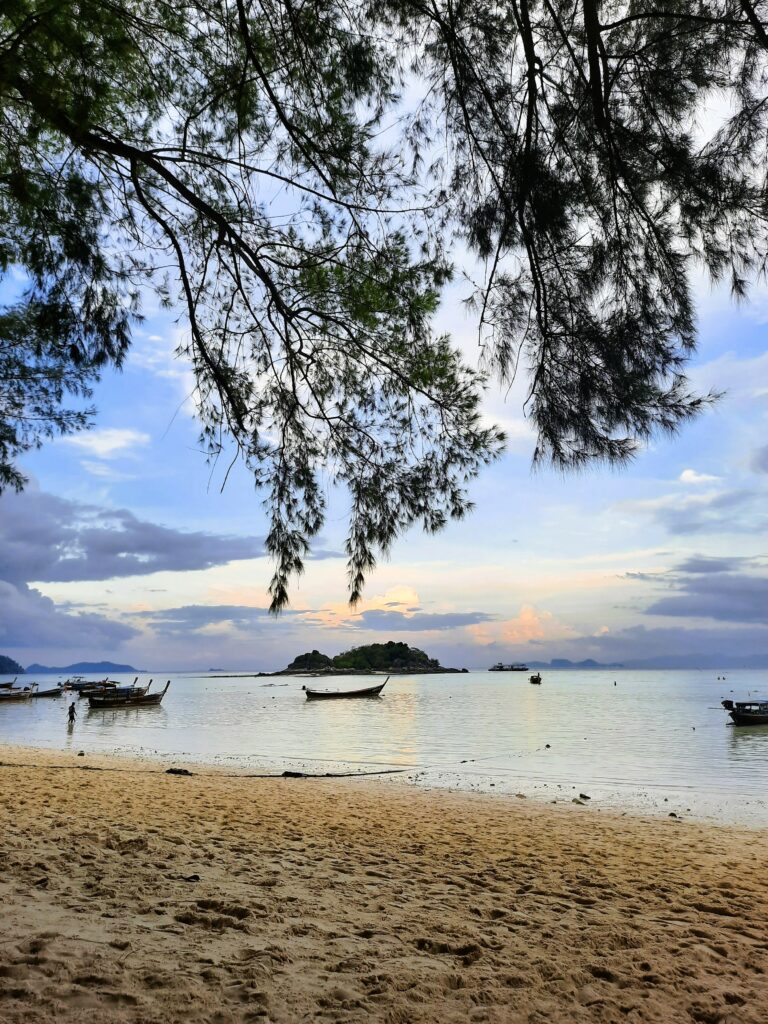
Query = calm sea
x=653 y=742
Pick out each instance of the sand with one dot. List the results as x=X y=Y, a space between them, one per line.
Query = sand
x=133 y=895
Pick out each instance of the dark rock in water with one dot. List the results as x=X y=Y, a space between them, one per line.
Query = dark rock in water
x=583 y=796
x=577 y=801
x=81 y=753
x=672 y=814
x=293 y=775
x=546 y=746
x=177 y=771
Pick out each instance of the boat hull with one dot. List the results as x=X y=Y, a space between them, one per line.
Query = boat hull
x=747 y=718
x=366 y=691
x=125 y=702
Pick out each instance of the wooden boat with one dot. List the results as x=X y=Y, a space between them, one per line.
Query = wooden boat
x=535 y=679
x=110 y=686
x=55 y=691
x=501 y=667
x=365 y=691
x=78 y=684
x=22 y=693
x=135 y=698
x=748 y=712
x=8 y=686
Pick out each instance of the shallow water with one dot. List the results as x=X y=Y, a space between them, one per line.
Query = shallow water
x=654 y=742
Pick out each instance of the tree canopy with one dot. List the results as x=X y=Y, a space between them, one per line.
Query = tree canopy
x=296 y=175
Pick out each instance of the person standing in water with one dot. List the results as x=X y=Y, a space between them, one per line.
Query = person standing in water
x=72 y=712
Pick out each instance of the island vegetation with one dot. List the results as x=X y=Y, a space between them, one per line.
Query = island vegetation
x=9 y=667
x=392 y=657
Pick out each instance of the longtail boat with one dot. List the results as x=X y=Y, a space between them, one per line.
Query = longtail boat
x=134 y=698
x=748 y=712
x=535 y=679
x=24 y=693
x=366 y=691
x=55 y=691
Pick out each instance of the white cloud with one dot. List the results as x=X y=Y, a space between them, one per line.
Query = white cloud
x=690 y=476
x=108 y=443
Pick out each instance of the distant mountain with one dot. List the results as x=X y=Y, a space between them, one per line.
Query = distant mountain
x=9 y=667
x=566 y=663
x=100 y=668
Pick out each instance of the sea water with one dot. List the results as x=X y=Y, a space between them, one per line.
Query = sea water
x=653 y=742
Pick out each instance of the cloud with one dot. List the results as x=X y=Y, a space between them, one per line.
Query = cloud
x=394 y=622
x=713 y=564
x=690 y=476
x=531 y=625
x=28 y=619
x=695 y=646
x=50 y=539
x=108 y=443
x=740 y=511
x=760 y=460
x=196 y=618
x=732 y=597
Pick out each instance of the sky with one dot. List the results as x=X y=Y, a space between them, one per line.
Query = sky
x=124 y=546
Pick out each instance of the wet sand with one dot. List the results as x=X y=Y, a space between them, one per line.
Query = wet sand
x=133 y=895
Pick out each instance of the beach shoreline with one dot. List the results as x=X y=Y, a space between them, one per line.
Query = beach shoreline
x=131 y=894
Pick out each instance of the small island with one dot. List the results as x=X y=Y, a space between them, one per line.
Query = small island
x=391 y=657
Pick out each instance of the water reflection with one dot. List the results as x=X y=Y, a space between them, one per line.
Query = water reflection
x=125 y=716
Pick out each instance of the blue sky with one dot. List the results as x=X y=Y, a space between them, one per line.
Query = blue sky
x=124 y=547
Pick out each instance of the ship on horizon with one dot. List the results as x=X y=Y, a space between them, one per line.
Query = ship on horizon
x=514 y=667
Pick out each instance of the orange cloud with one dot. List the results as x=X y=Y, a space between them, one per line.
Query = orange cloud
x=530 y=624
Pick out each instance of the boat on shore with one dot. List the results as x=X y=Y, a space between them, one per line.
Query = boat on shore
x=535 y=679
x=748 y=712
x=365 y=691
x=130 y=698
x=514 y=667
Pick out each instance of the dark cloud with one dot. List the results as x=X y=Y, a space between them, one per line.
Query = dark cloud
x=191 y=618
x=28 y=619
x=674 y=646
x=760 y=460
x=712 y=564
x=379 y=619
x=49 y=539
x=732 y=597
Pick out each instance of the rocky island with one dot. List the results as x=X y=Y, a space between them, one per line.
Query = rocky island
x=391 y=657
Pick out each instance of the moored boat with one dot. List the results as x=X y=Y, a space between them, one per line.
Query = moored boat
x=748 y=712
x=54 y=691
x=535 y=679
x=514 y=667
x=18 y=693
x=365 y=691
x=138 y=697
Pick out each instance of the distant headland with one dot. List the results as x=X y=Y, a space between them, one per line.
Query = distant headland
x=9 y=667
x=100 y=668
x=391 y=657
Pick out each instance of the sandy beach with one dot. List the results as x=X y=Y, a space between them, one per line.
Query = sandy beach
x=130 y=894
